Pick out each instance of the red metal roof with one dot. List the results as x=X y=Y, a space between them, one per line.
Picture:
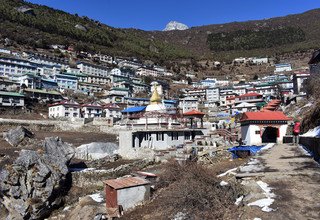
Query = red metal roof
x=65 y=102
x=231 y=98
x=250 y=94
x=269 y=107
x=265 y=116
x=111 y=106
x=126 y=182
x=193 y=112
x=91 y=105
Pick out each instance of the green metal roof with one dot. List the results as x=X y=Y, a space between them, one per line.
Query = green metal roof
x=42 y=91
x=4 y=93
x=261 y=104
x=120 y=89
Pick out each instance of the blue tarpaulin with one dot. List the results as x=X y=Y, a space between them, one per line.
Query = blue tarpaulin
x=134 y=109
x=253 y=149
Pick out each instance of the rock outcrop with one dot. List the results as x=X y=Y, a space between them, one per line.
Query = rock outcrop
x=37 y=181
x=15 y=136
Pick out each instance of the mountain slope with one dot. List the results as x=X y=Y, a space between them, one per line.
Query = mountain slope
x=47 y=26
x=195 y=39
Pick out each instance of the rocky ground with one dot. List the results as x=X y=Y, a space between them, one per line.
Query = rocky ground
x=292 y=177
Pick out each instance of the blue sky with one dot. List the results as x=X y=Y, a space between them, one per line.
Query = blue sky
x=154 y=15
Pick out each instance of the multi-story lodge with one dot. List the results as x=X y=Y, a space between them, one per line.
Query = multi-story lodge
x=251 y=97
x=64 y=109
x=11 y=99
x=282 y=67
x=91 y=110
x=12 y=67
x=112 y=111
x=90 y=69
x=213 y=95
x=65 y=81
x=188 y=104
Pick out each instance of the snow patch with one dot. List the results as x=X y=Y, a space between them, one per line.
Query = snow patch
x=174 y=25
x=257 y=219
x=268 y=146
x=304 y=151
x=264 y=203
x=223 y=183
x=253 y=161
x=66 y=208
x=312 y=132
x=266 y=188
x=238 y=200
x=97 y=197
x=251 y=168
x=231 y=171
x=85 y=170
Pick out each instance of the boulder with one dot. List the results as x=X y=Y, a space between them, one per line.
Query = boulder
x=87 y=208
x=36 y=182
x=15 y=136
x=96 y=150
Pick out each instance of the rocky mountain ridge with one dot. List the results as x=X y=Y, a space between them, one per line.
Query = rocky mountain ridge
x=41 y=26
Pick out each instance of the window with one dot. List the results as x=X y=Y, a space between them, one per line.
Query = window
x=187 y=136
x=5 y=100
x=257 y=132
x=160 y=136
x=66 y=114
x=16 y=100
x=146 y=136
x=174 y=135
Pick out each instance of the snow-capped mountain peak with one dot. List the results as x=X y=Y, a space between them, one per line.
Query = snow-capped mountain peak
x=174 y=25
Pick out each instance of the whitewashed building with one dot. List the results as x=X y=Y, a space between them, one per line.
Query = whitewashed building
x=112 y=110
x=11 y=99
x=213 y=95
x=64 y=109
x=138 y=144
x=91 y=110
x=259 y=128
x=90 y=69
x=188 y=104
x=283 y=67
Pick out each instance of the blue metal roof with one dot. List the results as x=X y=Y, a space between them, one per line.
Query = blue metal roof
x=134 y=109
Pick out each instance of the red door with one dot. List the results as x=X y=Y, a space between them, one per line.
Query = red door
x=111 y=197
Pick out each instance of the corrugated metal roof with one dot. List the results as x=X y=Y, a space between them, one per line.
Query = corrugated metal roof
x=4 y=93
x=126 y=182
x=264 y=116
x=193 y=112
x=134 y=109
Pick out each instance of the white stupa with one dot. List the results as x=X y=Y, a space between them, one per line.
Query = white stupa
x=156 y=104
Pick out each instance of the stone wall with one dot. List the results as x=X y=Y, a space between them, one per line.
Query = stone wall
x=94 y=179
x=313 y=146
x=75 y=125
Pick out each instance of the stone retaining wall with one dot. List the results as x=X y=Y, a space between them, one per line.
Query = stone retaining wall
x=313 y=146
x=57 y=125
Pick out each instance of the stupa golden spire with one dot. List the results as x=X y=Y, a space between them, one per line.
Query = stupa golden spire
x=155 y=98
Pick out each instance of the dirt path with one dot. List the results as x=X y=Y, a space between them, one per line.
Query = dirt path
x=295 y=179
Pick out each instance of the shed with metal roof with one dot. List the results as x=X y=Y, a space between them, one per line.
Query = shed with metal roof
x=126 y=192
